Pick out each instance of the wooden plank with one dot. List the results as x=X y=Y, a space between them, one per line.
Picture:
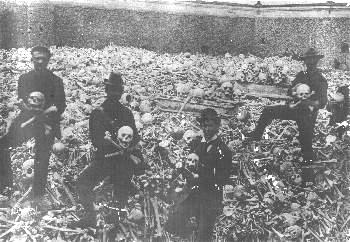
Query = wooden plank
x=173 y=104
x=264 y=91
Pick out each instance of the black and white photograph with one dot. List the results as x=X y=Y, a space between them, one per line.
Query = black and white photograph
x=174 y=121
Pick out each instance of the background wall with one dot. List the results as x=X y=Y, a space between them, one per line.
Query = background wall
x=209 y=28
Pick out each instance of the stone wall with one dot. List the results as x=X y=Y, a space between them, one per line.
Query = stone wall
x=213 y=29
x=153 y=30
x=275 y=35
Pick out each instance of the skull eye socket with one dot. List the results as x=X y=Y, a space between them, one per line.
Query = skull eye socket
x=29 y=171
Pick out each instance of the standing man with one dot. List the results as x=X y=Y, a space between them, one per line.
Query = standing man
x=204 y=200
x=49 y=89
x=109 y=117
x=305 y=118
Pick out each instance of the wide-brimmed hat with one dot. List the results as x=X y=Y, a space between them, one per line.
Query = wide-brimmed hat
x=311 y=53
x=115 y=79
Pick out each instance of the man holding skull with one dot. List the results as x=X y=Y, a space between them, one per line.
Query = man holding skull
x=304 y=117
x=42 y=101
x=214 y=168
x=114 y=135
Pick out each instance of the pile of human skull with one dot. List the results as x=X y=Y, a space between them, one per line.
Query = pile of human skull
x=205 y=78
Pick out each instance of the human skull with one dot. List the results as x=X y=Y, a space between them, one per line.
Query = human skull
x=27 y=213
x=134 y=105
x=28 y=168
x=279 y=63
x=182 y=88
x=145 y=106
x=192 y=160
x=227 y=87
x=36 y=100
x=189 y=136
x=269 y=198
x=293 y=232
x=297 y=179
x=125 y=136
x=303 y=91
x=262 y=76
x=125 y=98
x=239 y=76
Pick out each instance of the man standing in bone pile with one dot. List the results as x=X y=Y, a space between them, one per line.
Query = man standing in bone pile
x=204 y=201
x=304 y=117
x=111 y=125
x=38 y=90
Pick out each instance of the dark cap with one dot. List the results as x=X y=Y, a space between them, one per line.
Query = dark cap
x=311 y=53
x=114 y=79
x=41 y=49
x=208 y=114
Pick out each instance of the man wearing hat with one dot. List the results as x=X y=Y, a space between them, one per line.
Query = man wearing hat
x=214 y=169
x=110 y=116
x=305 y=118
x=45 y=84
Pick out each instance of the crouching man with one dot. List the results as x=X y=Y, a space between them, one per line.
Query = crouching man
x=338 y=105
x=42 y=99
x=204 y=200
x=114 y=135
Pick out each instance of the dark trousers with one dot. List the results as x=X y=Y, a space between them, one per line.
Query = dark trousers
x=16 y=136
x=119 y=168
x=305 y=120
x=205 y=206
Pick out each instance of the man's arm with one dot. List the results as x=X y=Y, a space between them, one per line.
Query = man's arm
x=21 y=89
x=97 y=129
x=60 y=96
x=322 y=95
x=224 y=165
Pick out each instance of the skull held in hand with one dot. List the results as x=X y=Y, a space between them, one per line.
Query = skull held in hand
x=189 y=136
x=192 y=161
x=125 y=136
x=28 y=168
x=293 y=232
x=303 y=91
x=36 y=100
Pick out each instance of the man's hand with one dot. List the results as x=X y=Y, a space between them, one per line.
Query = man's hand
x=40 y=116
x=294 y=105
x=22 y=105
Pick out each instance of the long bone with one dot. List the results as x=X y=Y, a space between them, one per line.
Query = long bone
x=32 y=119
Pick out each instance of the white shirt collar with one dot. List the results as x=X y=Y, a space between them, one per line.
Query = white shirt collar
x=211 y=139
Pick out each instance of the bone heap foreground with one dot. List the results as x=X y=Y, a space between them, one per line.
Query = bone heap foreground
x=264 y=199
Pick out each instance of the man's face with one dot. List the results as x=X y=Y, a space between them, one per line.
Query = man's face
x=210 y=128
x=310 y=62
x=114 y=93
x=40 y=60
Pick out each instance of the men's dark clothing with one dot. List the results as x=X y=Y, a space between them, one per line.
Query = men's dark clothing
x=109 y=117
x=52 y=87
x=304 y=117
x=119 y=168
x=339 y=110
x=204 y=202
